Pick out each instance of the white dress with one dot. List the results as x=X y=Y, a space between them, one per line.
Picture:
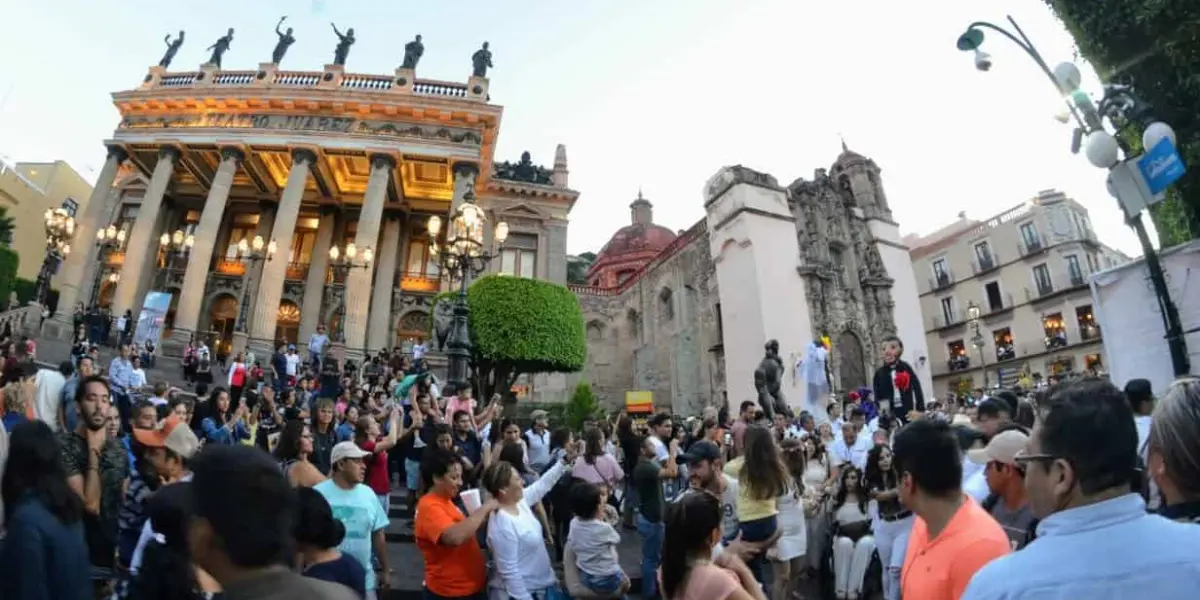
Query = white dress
x=793 y=532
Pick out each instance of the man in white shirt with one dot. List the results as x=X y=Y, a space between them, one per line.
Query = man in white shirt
x=49 y=393
x=293 y=362
x=418 y=350
x=660 y=431
x=316 y=347
x=851 y=447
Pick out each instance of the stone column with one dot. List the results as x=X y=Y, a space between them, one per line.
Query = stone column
x=78 y=268
x=358 y=282
x=318 y=269
x=195 y=277
x=250 y=278
x=385 y=278
x=270 y=286
x=142 y=246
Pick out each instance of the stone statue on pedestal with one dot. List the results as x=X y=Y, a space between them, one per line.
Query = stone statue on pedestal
x=343 y=48
x=412 y=53
x=286 y=39
x=443 y=320
x=220 y=48
x=172 y=49
x=767 y=379
x=481 y=61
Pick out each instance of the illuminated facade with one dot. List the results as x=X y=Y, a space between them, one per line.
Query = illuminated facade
x=308 y=160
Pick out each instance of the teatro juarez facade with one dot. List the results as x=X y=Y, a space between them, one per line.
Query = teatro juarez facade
x=307 y=160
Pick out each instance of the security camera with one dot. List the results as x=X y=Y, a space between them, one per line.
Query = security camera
x=983 y=61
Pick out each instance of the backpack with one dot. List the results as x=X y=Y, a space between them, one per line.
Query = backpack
x=1030 y=534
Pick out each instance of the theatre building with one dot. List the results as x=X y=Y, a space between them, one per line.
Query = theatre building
x=204 y=162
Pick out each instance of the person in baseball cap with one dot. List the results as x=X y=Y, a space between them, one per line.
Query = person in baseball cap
x=169 y=447
x=347 y=465
x=700 y=451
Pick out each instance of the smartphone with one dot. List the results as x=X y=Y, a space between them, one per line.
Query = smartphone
x=728 y=438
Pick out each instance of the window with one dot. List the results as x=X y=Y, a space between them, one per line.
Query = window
x=939 y=269
x=519 y=256
x=1074 y=271
x=1086 y=319
x=958 y=356
x=666 y=305
x=1055 y=331
x=1029 y=237
x=245 y=227
x=839 y=268
x=1093 y=264
x=71 y=206
x=1041 y=276
x=983 y=256
x=1005 y=349
x=994 y=299
x=948 y=310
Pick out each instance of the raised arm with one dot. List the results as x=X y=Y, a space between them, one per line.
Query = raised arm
x=335 y=30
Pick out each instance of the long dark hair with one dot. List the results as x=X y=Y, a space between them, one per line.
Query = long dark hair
x=289 y=440
x=873 y=476
x=214 y=411
x=166 y=572
x=839 y=498
x=513 y=453
x=689 y=526
x=35 y=467
x=762 y=475
x=593 y=444
x=315 y=525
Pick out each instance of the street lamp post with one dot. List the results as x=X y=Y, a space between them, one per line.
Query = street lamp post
x=173 y=246
x=977 y=338
x=250 y=253
x=1123 y=109
x=462 y=255
x=108 y=240
x=60 y=227
x=341 y=262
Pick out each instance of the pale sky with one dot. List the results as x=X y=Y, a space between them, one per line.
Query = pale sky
x=656 y=94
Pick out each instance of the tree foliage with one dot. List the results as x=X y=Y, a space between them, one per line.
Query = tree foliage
x=7 y=225
x=577 y=267
x=9 y=261
x=582 y=406
x=1155 y=46
x=521 y=326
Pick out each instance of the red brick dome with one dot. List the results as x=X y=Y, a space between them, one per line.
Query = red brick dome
x=631 y=247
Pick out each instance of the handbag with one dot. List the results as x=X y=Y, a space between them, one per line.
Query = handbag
x=613 y=500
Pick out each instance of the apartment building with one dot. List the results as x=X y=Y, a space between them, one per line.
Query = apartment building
x=1010 y=294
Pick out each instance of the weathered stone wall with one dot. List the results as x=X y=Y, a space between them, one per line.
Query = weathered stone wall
x=658 y=334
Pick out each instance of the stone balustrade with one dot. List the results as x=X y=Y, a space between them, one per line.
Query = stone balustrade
x=403 y=82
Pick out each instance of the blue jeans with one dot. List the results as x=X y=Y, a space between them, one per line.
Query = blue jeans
x=412 y=477
x=758 y=530
x=652 y=539
x=605 y=586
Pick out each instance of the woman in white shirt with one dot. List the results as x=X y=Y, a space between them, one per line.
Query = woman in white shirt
x=515 y=536
x=139 y=375
x=853 y=543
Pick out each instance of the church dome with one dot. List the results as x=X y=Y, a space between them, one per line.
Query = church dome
x=632 y=246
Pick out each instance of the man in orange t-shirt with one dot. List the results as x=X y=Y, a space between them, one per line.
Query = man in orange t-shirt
x=454 y=563
x=952 y=537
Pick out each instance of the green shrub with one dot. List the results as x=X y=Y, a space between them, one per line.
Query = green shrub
x=9 y=261
x=582 y=406
x=25 y=288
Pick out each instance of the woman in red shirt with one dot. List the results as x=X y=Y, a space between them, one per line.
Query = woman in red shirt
x=238 y=374
x=367 y=436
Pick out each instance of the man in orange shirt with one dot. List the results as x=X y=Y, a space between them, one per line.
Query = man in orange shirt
x=454 y=564
x=952 y=537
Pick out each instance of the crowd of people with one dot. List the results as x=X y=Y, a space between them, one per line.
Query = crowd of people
x=279 y=483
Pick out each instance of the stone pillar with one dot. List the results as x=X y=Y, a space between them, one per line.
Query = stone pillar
x=752 y=240
x=385 y=278
x=142 y=246
x=250 y=278
x=78 y=268
x=195 y=277
x=318 y=269
x=358 y=282
x=265 y=307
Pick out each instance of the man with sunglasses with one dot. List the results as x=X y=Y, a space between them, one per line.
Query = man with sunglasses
x=1095 y=539
x=1007 y=503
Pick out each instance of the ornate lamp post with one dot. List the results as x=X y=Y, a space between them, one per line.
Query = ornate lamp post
x=172 y=247
x=341 y=262
x=977 y=337
x=462 y=256
x=108 y=240
x=250 y=253
x=1123 y=109
x=60 y=227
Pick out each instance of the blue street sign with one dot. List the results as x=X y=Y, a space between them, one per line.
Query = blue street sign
x=1161 y=166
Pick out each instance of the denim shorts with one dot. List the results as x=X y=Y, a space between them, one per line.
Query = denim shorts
x=412 y=474
x=758 y=530
x=606 y=585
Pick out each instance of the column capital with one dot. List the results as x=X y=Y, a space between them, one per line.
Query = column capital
x=327 y=210
x=170 y=151
x=465 y=169
x=303 y=154
x=392 y=214
x=267 y=204
x=118 y=152
x=380 y=160
x=232 y=153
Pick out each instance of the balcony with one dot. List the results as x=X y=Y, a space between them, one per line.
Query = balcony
x=1077 y=279
x=1088 y=332
x=944 y=321
x=419 y=282
x=1005 y=304
x=1056 y=340
x=941 y=280
x=1043 y=289
x=1005 y=352
x=232 y=267
x=1031 y=247
x=984 y=264
x=961 y=362
x=297 y=271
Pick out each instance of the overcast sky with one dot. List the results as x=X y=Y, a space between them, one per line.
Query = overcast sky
x=656 y=94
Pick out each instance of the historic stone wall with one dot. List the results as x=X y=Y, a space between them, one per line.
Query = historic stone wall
x=659 y=333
